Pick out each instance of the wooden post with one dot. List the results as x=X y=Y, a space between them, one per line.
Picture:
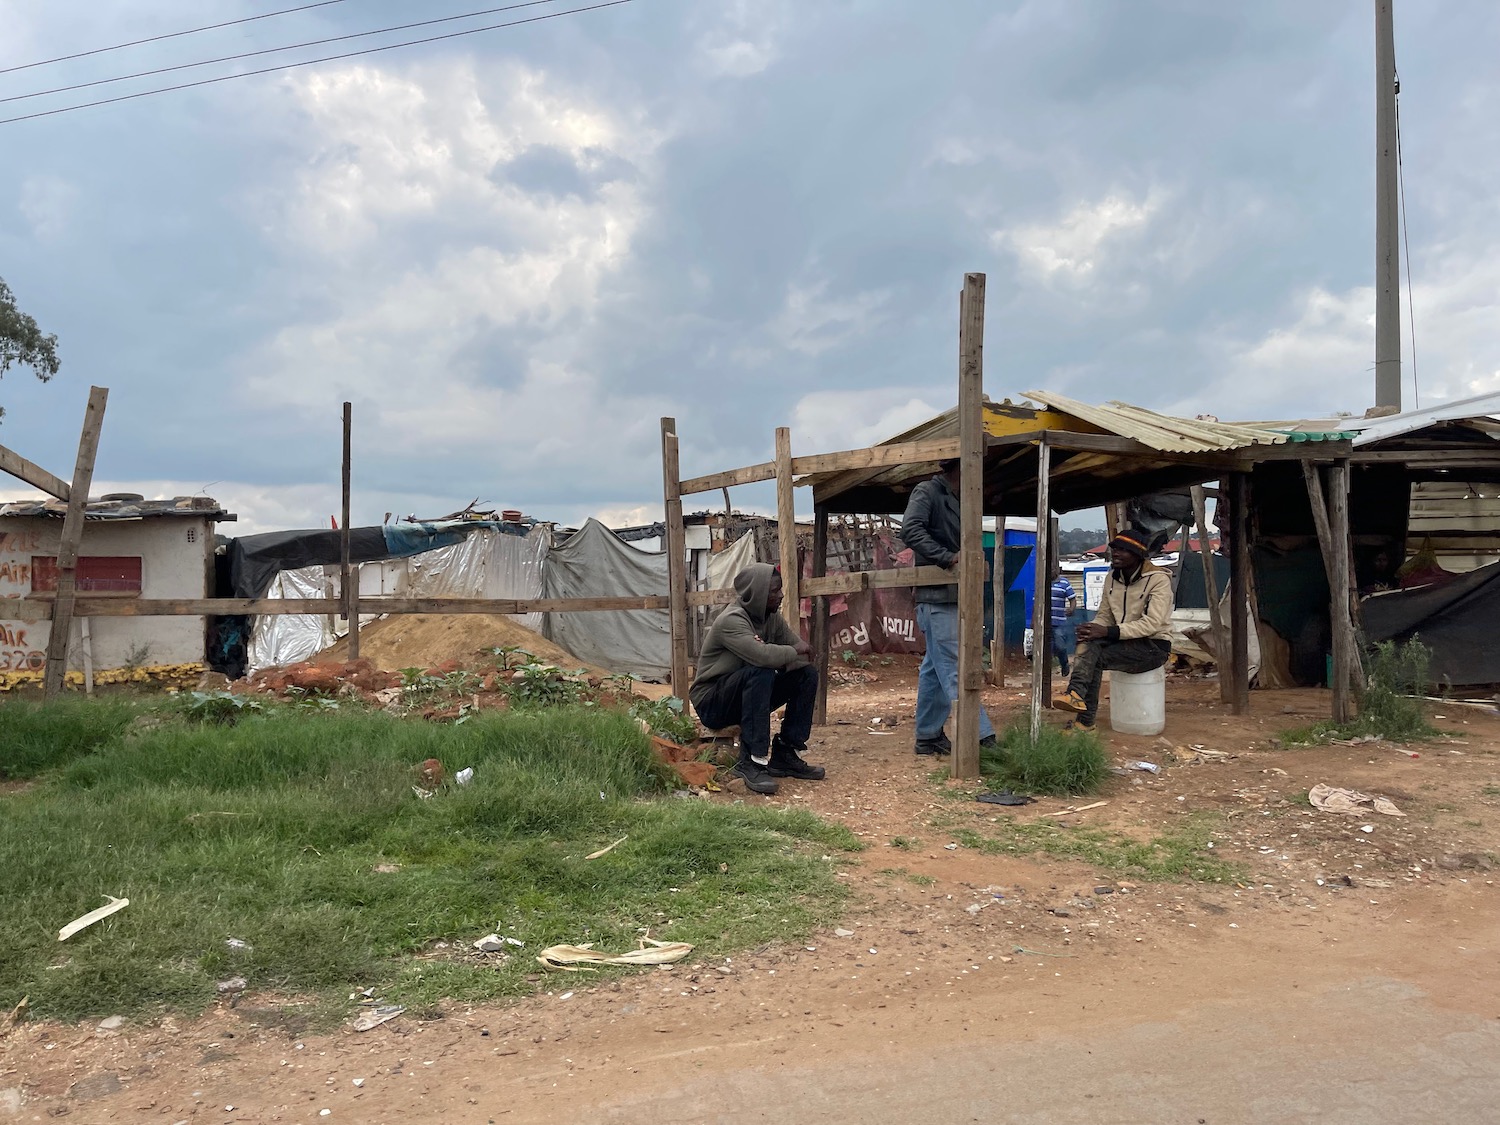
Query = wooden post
x=72 y=537
x=1211 y=590
x=1049 y=650
x=86 y=636
x=786 y=531
x=997 y=586
x=1041 y=610
x=971 y=527
x=1328 y=546
x=676 y=545
x=820 y=613
x=1239 y=594
x=1342 y=588
x=349 y=590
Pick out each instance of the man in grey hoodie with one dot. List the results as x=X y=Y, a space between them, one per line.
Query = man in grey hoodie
x=752 y=663
x=931 y=529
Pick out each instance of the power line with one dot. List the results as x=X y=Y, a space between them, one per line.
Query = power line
x=169 y=35
x=1411 y=312
x=310 y=62
x=272 y=51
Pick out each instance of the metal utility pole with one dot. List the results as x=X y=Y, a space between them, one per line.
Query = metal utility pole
x=1387 y=248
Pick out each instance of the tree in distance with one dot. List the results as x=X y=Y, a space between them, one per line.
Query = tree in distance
x=22 y=342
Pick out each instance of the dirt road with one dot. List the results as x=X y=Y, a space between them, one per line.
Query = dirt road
x=1347 y=978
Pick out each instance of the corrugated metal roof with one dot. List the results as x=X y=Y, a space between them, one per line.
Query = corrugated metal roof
x=1480 y=407
x=120 y=509
x=1161 y=431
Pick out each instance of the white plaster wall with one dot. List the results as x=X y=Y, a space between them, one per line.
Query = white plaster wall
x=171 y=567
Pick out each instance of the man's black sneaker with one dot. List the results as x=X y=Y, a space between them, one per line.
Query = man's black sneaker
x=987 y=740
x=756 y=777
x=786 y=761
x=934 y=746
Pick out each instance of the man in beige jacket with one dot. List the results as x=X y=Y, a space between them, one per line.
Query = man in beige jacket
x=1132 y=632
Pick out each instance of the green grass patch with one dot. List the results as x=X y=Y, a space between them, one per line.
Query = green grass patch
x=1060 y=763
x=274 y=830
x=903 y=873
x=1395 y=674
x=35 y=737
x=1182 y=855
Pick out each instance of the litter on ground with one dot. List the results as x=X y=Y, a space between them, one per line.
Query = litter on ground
x=1350 y=801
x=577 y=958
x=114 y=906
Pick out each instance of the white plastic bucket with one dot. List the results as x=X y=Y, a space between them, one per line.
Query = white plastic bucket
x=1138 y=701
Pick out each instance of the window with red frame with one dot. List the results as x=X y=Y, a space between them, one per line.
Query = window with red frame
x=96 y=574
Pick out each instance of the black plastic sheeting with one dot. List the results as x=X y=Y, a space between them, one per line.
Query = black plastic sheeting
x=255 y=560
x=1458 y=621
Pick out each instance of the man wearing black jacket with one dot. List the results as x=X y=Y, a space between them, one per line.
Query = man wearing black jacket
x=931 y=529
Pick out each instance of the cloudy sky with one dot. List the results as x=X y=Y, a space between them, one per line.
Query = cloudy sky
x=515 y=251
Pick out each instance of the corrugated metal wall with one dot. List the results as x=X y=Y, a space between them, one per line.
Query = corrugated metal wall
x=1461 y=519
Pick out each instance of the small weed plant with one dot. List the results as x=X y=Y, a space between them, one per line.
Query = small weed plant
x=666 y=717
x=1060 y=763
x=546 y=685
x=1397 y=675
x=222 y=707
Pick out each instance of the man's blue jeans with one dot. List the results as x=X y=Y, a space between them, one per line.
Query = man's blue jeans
x=937 y=680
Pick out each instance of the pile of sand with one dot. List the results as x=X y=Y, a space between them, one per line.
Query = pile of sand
x=425 y=640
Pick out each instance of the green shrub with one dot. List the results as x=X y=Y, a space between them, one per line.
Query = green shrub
x=1396 y=677
x=1060 y=763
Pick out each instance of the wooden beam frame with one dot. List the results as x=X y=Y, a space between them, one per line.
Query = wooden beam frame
x=17 y=466
x=1342 y=589
x=676 y=546
x=819 y=639
x=786 y=531
x=997 y=596
x=971 y=442
x=1041 y=601
x=44 y=609
x=877 y=456
x=1211 y=588
x=751 y=474
x=874 y=457
x=1239 y=594
x=349 y=590
x=72 y=539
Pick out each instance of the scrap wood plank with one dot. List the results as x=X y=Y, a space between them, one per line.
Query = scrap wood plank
x=34 y=609
x=72 y=538
x=877 y=456
x=17 y=466
x=750 y=474
x=675 y=542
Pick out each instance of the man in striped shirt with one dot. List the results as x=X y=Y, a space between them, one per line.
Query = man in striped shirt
x=1064 y=601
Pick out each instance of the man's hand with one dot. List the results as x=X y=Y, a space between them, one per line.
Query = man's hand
x=1092 y=632
x=803 y=648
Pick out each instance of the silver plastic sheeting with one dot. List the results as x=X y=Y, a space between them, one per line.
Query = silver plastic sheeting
x=488 y=564
x=595 y=563
x=293 y=637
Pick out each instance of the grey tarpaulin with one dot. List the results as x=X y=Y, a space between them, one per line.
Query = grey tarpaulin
x=595 y=563
x=1457 y=620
